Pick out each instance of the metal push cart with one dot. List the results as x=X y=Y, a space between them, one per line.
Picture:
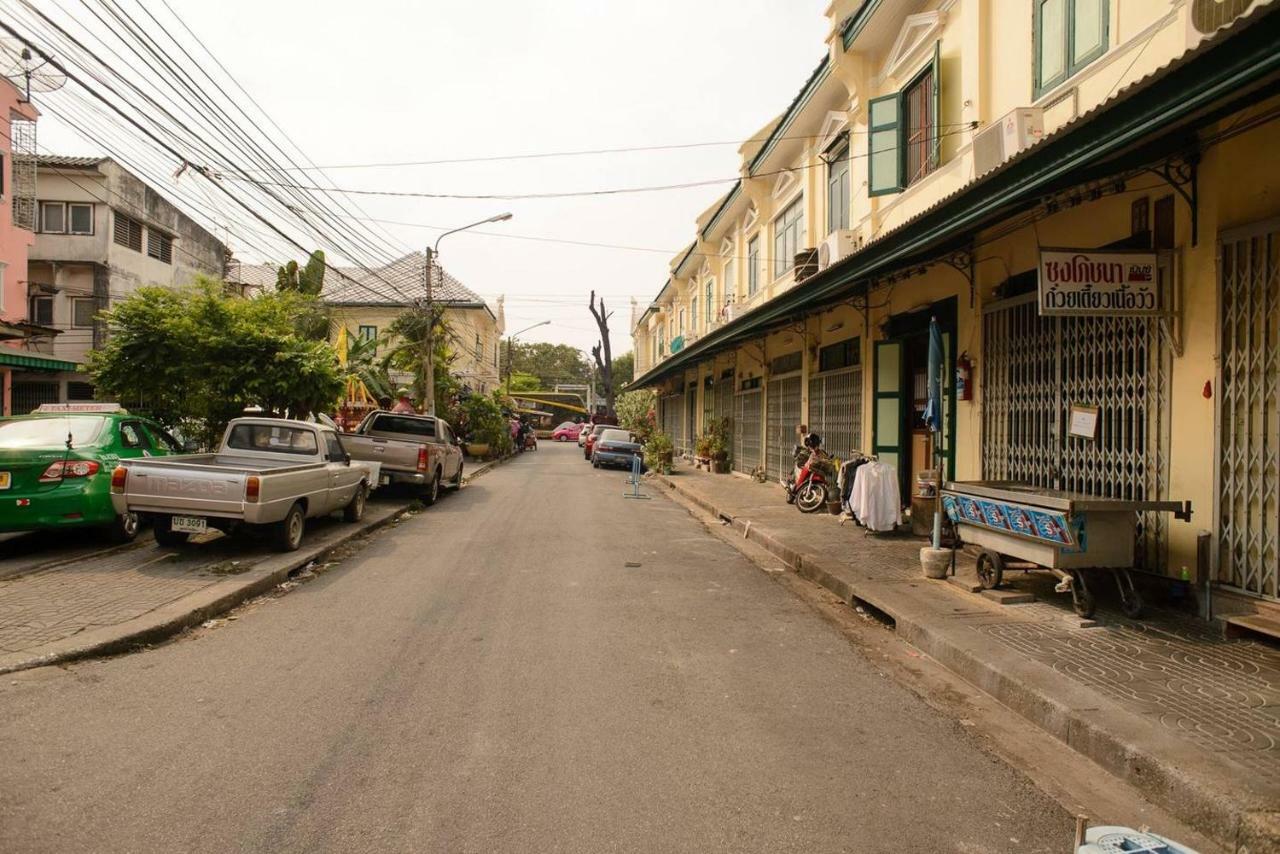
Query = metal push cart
x=1063 y=532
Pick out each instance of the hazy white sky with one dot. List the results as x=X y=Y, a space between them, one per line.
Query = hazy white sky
x=383 y=81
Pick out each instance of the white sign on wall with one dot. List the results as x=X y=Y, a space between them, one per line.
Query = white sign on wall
x=1098 y=281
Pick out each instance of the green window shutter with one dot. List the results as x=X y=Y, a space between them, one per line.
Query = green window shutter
x=935 y=147
x=884 y=147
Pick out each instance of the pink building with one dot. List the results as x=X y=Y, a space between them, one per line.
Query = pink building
x=17 y=234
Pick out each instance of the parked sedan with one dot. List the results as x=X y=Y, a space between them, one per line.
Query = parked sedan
x=55 y=466
x=592 y=436
x=615 y=447
x=567 y=432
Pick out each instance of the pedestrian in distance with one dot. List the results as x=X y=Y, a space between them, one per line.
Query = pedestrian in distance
x=403 y=404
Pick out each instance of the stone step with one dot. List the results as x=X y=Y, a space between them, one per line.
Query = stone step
x=1009 y=597
x=1256 y=623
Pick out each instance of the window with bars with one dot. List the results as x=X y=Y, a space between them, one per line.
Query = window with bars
x=367 y=333
x=753 y=266
x=160 y=246
x=709 y=302
x=903 y=138
x=127 y=232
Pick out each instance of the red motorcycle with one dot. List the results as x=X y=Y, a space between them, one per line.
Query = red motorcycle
x=808 y=486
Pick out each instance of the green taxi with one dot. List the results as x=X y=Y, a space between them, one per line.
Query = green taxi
x=56 y=465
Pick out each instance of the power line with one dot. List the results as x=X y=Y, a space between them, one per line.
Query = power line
x=581 y=152
x=567 y=194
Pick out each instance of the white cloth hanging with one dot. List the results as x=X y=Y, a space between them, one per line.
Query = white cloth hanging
x=876 y=501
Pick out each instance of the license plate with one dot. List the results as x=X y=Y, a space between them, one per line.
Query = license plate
x=4 y=480
x=189 y=524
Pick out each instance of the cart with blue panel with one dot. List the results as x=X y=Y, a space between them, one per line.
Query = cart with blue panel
x=1063 y=532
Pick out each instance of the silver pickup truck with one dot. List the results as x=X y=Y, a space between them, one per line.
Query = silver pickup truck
x=419 y=450
x=269 y=473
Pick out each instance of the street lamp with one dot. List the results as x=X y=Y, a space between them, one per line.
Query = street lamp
x=428 y=358
x=511 y=338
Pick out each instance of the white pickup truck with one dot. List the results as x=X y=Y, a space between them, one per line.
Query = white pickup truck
x=269 y=473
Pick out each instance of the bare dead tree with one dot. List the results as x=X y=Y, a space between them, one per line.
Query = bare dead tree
x=601 y=352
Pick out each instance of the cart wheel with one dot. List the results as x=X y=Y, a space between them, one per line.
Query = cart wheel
x=1081 y=597
x=990 y=570
x=1130 y=602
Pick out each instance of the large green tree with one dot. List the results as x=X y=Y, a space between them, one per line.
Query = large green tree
x=624 y=370
x=550 y=363
x=196 y=358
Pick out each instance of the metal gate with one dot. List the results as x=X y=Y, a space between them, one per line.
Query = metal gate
x=690 y=419
x=746 y=431
x=1036 y=367
x=673 y=418
x=835 y=410
x=1249 y=412
x=783 y=416
x=26 y=396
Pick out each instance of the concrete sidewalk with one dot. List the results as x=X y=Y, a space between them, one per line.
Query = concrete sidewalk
x=1188 y=717
x=116 y=599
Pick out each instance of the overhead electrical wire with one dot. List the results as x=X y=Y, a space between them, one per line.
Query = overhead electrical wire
x=567 y=194
x=584 y=152
x=168 y=144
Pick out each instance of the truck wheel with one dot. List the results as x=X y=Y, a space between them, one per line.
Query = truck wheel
x=288 y=531
x=354 y=511
x=167 y=538
x=124 y=529
x=432 y=493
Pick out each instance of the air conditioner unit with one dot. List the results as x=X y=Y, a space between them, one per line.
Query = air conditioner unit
x=837 y=246
x=999 y=141
x=1206 y=17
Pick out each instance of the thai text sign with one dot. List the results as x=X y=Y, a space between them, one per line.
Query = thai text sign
x=1098 y=281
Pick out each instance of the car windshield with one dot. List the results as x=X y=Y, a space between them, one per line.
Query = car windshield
x=568 y=425
x=615 y=436
x=425 y=427
x=50 y=432
x=272 y=438
x=598 y=429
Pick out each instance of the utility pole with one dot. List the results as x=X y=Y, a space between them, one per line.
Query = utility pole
x=428 y=358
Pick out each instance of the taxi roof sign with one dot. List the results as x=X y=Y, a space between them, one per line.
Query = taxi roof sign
x=86 y=406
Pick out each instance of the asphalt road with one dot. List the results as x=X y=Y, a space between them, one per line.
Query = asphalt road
x=491 y=676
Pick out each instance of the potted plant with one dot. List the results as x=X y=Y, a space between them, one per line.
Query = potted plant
x=719 y=446
x=702 y=451
x=659 y=452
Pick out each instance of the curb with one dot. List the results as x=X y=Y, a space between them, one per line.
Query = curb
x=1076 y=715
x=195 y=608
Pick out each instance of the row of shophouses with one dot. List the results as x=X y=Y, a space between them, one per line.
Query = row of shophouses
x=1085 y=194
x=79 y=234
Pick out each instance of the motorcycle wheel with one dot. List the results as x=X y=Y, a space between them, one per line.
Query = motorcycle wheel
x=811 y=497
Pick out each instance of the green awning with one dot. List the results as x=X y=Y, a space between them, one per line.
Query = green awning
x=1147 y=121
x=13 y=359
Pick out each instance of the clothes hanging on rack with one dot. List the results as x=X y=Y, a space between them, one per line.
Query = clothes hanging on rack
x=848 y=473
x=876 y=501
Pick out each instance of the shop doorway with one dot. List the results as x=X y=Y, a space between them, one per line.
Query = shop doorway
x=899 y=435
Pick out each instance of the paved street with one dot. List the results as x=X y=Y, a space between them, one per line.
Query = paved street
x=491 y=676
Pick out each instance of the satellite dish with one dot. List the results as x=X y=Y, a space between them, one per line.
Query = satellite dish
x=25 y=69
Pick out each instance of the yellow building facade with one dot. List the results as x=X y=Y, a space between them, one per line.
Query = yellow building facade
x=367 y=302
x=931 y=162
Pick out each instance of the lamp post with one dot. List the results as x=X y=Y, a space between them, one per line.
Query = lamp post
x=428 y=358
x=510 y=339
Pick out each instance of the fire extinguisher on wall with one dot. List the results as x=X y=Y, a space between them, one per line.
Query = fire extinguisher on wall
x=964 y=377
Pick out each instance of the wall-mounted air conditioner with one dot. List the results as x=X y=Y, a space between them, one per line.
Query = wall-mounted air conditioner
x=837 y=246
x=999 y=141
